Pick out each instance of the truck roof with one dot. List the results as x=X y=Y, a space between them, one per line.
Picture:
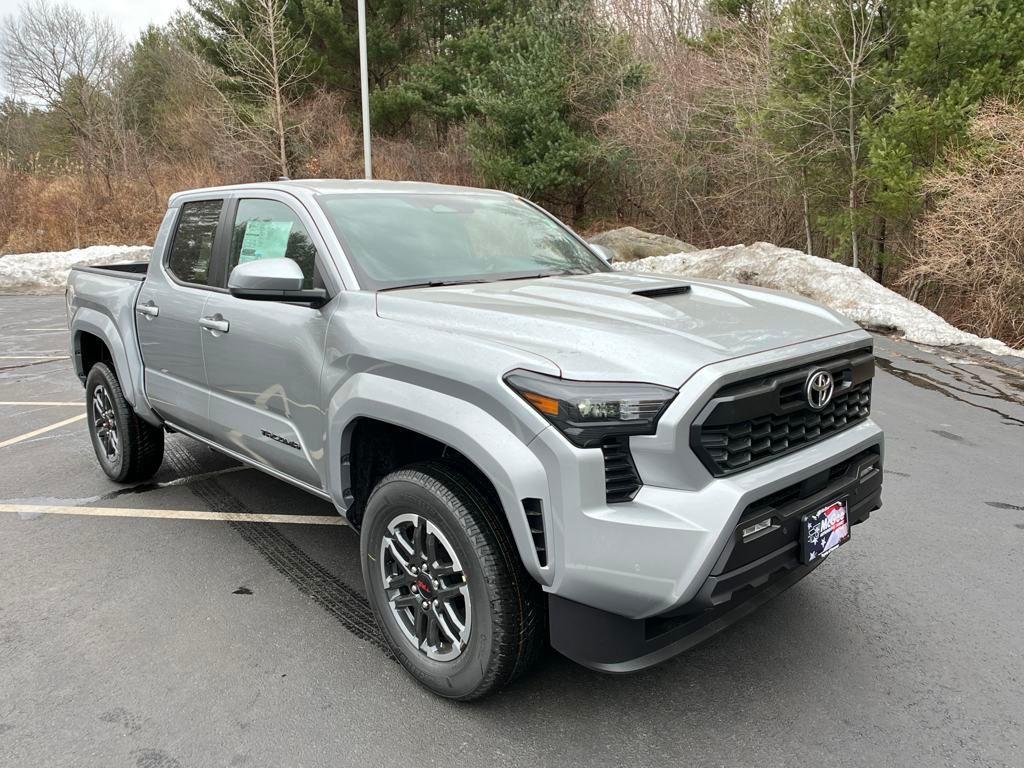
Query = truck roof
x=334 y=186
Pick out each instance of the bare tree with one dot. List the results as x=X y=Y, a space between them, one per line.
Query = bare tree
x=57 y=57
x=263 y=59
x=699 y=167
x=836 y=43
x=656 y=26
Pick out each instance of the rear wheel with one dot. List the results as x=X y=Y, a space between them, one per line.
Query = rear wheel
x=446 y=584
x=127 y=448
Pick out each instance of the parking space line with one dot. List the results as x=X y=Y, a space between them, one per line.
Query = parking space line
x=33 y=357
x=41 y=430
x=40 y=402
x=32 y=510
x=44 y=329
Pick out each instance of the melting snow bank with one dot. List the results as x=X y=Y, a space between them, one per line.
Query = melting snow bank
x=838 y=286
x=48 y=272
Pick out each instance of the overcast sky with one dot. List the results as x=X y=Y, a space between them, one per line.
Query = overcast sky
x=130 y=15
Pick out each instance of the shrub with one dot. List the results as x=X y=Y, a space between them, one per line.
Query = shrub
x=969 y=263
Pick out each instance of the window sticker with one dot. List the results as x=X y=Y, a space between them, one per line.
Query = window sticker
x=264 y=240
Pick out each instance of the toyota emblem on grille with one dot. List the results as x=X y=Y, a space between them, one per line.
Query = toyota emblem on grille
x=819 y=389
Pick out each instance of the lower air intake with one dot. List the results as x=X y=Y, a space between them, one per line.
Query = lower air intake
x=621 y=481
x=534 y=509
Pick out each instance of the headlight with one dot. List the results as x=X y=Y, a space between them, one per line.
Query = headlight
x=586 y=412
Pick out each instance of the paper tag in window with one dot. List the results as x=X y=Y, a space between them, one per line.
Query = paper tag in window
x=264 y=240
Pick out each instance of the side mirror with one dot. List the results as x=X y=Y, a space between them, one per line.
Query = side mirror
x=273 y=280
x=607 y=255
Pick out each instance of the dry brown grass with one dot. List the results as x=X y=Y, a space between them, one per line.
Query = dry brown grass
x=969 y=263
x=73 y=209
x=47 y=209
x=335 y=150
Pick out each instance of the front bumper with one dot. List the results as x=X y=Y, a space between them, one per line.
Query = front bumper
x=748 y=572
x=651 y=556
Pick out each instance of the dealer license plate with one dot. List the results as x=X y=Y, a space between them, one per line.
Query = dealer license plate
x=824 y=530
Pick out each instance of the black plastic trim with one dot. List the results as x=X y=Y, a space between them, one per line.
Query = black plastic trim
x=133 y=270
x=779 y=394
x=621 y=479
x=858 y=479
x=534 y=509
x=610 y=643
x=654 y=293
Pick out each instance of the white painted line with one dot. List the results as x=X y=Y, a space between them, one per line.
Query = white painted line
x=33 y=357
x=40 y=402
x=44 y=329
x=32 y=510
x=41 y=430
x=147 y=485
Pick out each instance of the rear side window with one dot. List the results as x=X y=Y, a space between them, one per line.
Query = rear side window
x=192 y=250
x=267 y=229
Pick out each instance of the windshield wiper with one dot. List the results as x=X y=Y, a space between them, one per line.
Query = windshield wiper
x=470 y=281
x=429 y=284
x=559 y=273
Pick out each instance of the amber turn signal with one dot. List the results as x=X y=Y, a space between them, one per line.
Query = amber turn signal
x=546 y=405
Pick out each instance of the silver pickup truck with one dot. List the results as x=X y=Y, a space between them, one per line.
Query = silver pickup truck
x=533 y=447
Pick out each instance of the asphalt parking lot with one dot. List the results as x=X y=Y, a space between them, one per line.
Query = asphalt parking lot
x=145 y=635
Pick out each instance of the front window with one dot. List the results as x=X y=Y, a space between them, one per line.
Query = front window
x=267 y=229
x=403 y=239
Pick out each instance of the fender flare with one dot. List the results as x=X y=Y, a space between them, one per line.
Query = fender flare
x=88 y=320
x=513 y=469
x=102 y=327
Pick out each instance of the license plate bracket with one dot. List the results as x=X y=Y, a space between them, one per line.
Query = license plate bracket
x=824 y=530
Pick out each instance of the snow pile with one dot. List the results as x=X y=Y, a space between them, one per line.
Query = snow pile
x=48 y=272
x=844 y=289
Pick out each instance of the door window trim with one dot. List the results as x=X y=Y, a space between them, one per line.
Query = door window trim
x=217 y=254
x=228 y=223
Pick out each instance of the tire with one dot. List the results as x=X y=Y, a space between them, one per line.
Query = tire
x=505 y=631
x=127 y=448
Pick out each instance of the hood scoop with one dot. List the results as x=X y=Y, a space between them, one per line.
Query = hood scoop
x=655 y=293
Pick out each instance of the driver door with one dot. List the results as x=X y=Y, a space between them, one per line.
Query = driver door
x=264 y=358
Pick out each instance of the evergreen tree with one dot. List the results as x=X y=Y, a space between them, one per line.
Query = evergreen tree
x=551 y=76
x=953 y=55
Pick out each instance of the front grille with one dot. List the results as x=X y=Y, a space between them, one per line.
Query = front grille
x=757 y=420
x=853 y=479
x=621 y=481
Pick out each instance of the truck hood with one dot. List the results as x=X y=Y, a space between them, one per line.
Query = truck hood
x=617 y=325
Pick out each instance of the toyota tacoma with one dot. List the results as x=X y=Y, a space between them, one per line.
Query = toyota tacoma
x=534 y=448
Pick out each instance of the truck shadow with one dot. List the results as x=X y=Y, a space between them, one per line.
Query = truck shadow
x=782 y=664
x=788 y=649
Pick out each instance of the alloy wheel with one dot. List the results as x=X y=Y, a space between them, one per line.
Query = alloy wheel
x=426 y=587
x=105 y=422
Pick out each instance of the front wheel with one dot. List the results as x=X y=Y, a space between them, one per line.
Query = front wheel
x=127 y=448
x=446 y=584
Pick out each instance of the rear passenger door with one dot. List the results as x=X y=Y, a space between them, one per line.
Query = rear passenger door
x=264 y=358
x=168 y=312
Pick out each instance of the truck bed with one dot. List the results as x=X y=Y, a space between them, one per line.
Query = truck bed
x=101 y=302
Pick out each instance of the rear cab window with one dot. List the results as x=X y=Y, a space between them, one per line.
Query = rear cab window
x=190 y=259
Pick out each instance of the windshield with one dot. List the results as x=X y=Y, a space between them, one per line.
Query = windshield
x=401 y=239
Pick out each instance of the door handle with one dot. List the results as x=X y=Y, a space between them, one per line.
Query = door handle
x=149 y=309
x=215 y=323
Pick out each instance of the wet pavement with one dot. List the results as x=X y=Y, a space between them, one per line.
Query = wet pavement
x=161 y=642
